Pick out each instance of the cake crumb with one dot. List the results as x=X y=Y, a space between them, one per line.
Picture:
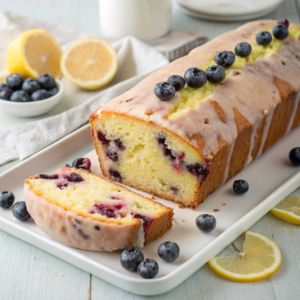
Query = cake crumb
x=265 y=111
x=182 y=220
x=180 y=205
x=152 y=198
x=209 y=158
x=175 y=221
x=215 y=209
x=149 y=112
x=224 y=204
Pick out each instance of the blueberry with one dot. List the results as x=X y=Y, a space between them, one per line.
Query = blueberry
x=131 y=258
x=240 y=186
x=225 y=58
x=82 y=163
x=39 y=95
x=20 y=212
x=284 y=22
x=194 y=77
x=168 y=251
x=215 y=74
x=5 y=93
x=280 y=32
x=14 y=81
x=53 y=91
x=2 y=85
x=20 y=96
x=177 y=81
x=164 y=91
x=6 y=199
x=47 y=81
x=30 y=85
x=295 y=156
x=263 y=38
x=243 y=49
x=148 y=268
x=206 y=222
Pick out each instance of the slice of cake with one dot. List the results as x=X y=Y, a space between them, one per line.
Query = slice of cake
x=85 y=211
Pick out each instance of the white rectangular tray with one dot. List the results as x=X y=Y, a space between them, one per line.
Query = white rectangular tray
x=271 y=178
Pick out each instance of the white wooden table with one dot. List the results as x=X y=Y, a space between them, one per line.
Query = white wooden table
x=26 y=272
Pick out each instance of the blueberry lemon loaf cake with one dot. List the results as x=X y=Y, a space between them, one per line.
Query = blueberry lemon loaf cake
x=85 y=211
x=191 y=126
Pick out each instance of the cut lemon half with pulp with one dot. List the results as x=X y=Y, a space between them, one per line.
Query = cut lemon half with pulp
x=33 y=53
x=90 y=63
x=288 y=210
x=259 y=259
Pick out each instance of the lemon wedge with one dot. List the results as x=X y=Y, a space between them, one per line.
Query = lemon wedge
x=90 y=63
x=33 y=53
x=259 y=259
x=288 y=210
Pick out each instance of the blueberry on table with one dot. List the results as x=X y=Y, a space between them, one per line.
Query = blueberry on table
x=39 y=95
x=240 y=186
x=131 y=258
x=47 y=81
x=225 y=58
x=177 y=82
x=263 y=38
x=20 y=212
x=284 y=22
x=206 y=223
x=280 y=32
x=5 y=93
x=215 y=74
x=14 y=81
x=30 y=85
x=2 y=85
x=168 y=251
x=6 y=199
x=194 y=77
x=164 y=91
x=295 y=156
x=243 y=49
x=148 y=268
x=53 y=91
x=82 y=163
x=20 y=96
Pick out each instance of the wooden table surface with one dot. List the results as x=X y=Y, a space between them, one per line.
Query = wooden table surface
x=30 y=273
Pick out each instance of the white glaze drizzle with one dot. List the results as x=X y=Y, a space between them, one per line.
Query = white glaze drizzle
x=252 y=143
x=291 y=121
x=227 y=167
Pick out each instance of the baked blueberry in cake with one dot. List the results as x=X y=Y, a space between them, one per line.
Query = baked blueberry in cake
x=85 y=211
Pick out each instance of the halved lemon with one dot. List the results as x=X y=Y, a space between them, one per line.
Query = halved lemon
x=259 y=259
x=288 y=210
x=33 y=53
x=90 y=63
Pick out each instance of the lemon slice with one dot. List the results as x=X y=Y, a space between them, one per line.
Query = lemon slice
x=33 y=53
x=90 y=63
x=288 y=210
x=259 y=259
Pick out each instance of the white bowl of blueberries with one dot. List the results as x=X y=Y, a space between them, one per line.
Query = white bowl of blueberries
x=30 y=97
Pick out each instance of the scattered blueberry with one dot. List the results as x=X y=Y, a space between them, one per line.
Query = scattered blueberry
x=148 y=268
x=14 y=81
x=194 y=77
x=131 y=258
x=39 y=95
x=177 y=81
x=243 y=49
x=2 y=85
x=47 y=81
x=263 y=38
x=6 y=199
x=20 y=212
x=164 y=91
x=82 y=163
x=20 y=96
x=5 y=93
x=284 y=22
x=225 y=58
x=215 y=74
x=280 y=32
x=168 y=251
x=53 y=91
x=295 y=156
x=30 y=85
x=206 y=222
x=240 y=186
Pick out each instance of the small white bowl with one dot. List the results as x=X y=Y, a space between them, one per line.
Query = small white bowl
x=32 y=108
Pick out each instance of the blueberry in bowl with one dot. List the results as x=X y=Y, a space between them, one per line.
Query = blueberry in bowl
x=47 y=81
x=14 y=81
x=20 y=96
x=30 y=85
x=40 y=94
x=5 y=93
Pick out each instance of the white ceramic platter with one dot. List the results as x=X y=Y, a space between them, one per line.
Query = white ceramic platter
x=271 y=178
